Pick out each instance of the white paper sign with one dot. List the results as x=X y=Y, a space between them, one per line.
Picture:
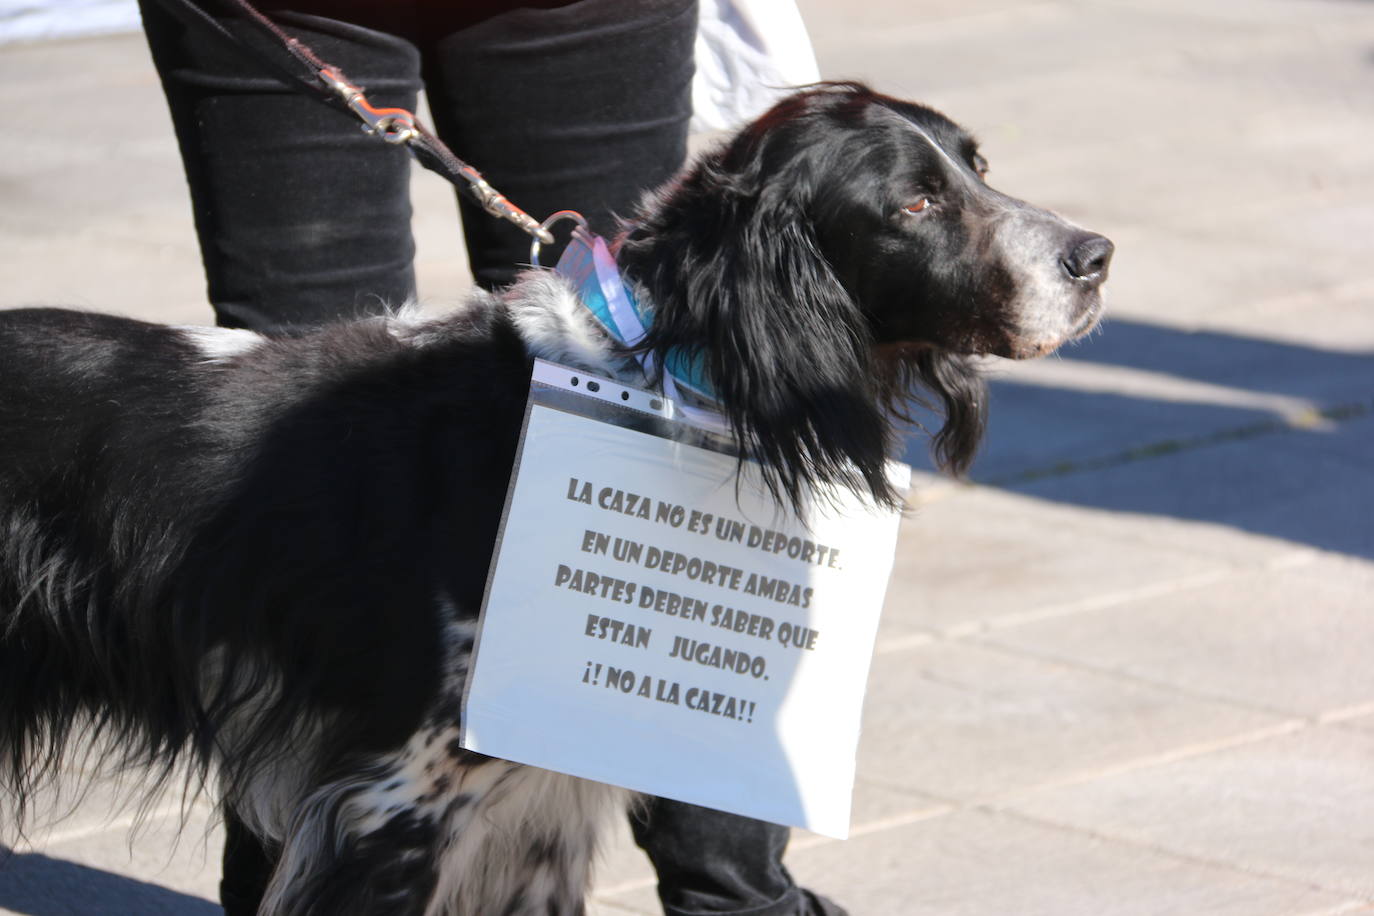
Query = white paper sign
x=651 y=625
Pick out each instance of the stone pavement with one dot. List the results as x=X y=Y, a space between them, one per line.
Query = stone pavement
x=1128 y=669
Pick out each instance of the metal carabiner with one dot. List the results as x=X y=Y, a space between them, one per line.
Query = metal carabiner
x=394 y=125
x=398 y=126
x=544 y=236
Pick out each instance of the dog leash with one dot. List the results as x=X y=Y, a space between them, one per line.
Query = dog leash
x=586 y=262
x=301 y=68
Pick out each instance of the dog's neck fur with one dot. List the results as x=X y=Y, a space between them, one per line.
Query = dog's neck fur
x=556 y=326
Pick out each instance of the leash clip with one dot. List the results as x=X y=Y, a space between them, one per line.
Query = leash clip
x=544 y=236
x=496 y=204
x=398 y=126
x=394 y=125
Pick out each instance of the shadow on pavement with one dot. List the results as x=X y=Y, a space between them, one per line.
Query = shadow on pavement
x=1266 y=436
x=37 y=885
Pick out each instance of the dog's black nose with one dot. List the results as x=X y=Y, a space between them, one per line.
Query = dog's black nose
x=1089 y=259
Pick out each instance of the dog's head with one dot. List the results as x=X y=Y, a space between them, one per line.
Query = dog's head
x=929 y=250
x=841 y=252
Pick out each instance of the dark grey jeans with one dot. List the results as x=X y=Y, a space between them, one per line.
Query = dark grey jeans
x=303 y=220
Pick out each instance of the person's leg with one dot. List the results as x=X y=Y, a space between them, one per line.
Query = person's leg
x=248 y=866
x=301 y=217
x=582 y=106
x=710 y=862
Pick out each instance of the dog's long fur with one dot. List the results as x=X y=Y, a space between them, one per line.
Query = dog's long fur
x=264 y=557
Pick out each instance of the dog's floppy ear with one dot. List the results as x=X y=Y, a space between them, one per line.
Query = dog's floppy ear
x=729 y=262
x=960 y=396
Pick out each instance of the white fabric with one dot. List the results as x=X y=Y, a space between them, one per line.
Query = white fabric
x=748 y=53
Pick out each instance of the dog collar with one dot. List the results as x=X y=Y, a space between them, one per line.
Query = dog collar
x=588 y=265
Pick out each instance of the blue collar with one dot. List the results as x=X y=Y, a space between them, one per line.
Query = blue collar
x=588 y=264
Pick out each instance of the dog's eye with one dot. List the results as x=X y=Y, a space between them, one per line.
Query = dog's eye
x=980 y=165
x=917 y=207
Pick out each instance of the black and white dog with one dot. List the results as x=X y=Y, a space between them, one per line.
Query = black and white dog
x=265 y=557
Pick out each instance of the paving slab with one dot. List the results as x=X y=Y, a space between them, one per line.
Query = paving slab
x=965 y=722
x=977 y=558
x=1011 y=562
x=1335 y=318
x=979 y=863
x=1363 y=723
x=1140 y=136
x=1298 y=806
x=84 y=800
x=164 y=866
x=1032 y=39
x=43 y=884
x=1295 y=640
x=1299 y=485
